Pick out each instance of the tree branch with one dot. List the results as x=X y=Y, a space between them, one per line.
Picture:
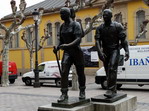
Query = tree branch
x=2 y=36
x=24 y=38
x=3 y=27
x=20 y=20
x=142 y=31
x=146 y=2
x=22 y=7
x=97 y=18
x=43 y=39
x=22 y=28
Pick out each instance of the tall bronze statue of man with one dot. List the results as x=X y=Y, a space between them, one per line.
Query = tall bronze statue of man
x=70 y=39
x=110 y=37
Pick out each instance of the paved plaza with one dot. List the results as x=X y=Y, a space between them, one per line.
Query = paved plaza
x=18 y=97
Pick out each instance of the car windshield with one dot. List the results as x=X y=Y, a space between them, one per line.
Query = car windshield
x=41 y=67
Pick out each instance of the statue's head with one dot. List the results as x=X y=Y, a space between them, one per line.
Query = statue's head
x=107 y=15
x=65 y=13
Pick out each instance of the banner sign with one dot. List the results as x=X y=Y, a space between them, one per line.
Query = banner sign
x=90 y=56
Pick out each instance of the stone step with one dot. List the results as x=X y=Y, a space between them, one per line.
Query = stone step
x=128 y=103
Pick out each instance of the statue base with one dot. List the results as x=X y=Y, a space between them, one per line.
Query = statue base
x=102 y=98
x=128 y=103
x=74 y=104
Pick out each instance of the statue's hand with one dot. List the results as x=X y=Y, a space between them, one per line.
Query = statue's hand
x=126 y=56
x=55 y=49
x=102 y=57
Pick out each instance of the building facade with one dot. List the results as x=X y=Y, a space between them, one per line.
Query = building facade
x=131 y=13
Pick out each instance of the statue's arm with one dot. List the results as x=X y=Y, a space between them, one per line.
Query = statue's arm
x=124 y=42
x=76 y=42
x=98 y=44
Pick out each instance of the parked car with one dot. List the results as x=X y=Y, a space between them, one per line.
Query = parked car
x=48 y=72
x=12 y=71
x=134 y=71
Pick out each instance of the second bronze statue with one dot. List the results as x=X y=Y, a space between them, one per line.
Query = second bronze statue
x=110 y=38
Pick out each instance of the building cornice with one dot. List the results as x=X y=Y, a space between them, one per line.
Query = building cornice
x=96 y=3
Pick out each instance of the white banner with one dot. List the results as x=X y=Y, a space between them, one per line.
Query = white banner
x=94 y=56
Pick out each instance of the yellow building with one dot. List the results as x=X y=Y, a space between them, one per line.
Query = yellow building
x=131 y=12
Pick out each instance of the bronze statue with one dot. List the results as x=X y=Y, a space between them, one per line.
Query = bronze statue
x=70 y=39
x=110 y=37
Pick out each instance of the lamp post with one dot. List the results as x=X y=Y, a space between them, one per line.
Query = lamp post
x=36 y=71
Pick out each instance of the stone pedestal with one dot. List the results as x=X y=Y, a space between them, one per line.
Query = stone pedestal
x=73 y=104
x=102 y=98
x=128 y=103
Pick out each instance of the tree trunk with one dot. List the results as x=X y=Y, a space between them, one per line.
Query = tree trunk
x=5 y=59
x=74 y=79
x=31 y=61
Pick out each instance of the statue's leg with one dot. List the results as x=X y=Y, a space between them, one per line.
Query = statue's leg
x=66 y=64
x=64 y=95
x=81 y=80
x=112 y=75
x=64 y=75
x=105 y=63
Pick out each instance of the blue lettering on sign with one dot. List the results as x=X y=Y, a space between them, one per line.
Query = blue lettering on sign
x=138 y=62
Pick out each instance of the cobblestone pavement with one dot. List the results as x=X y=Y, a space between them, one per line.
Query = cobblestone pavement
x=18 y=97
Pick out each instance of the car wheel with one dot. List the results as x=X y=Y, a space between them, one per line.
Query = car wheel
x=119 y=86
x=104 y=84
x=28 y=82
x=11 y=81
x=70 y=83
x=41 y=84
x=140 y=85
x=58 y=82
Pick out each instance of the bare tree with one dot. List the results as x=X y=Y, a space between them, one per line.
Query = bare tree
x=146 y=2
x=80 y=4
x=142 y=31
x=9 y=32
x=30 y=45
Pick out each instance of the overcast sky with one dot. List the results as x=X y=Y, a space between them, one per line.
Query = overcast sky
x=5 y=7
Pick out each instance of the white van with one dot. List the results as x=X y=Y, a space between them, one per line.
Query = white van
x=48 y=73
x=134 y=71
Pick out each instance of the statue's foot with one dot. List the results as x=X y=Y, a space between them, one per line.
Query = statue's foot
x=63 y=98
x=82 y=92
x=82 y=95
x=110 y=94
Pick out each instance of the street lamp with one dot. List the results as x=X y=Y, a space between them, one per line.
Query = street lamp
x=36 y=71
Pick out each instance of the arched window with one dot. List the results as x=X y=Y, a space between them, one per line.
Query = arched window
x=11 y=44
x=30 y=35
x=49 y=29
x=57 y=31
x=16 y=40
x=140 y=17
x=89 y=35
